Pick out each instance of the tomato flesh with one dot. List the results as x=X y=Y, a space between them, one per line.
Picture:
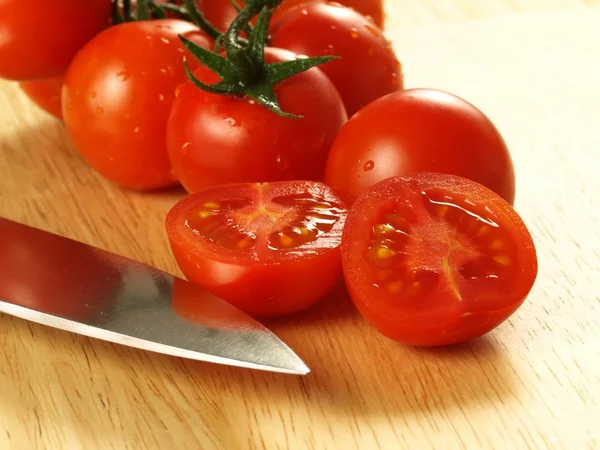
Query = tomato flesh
x=433 y=259
x=268 y=248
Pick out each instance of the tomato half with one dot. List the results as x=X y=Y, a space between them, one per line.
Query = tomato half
x=367 y=68
x=270 y=249
x=420 y=130
x=117 y=97
x=435 y=259
x=46 y=94
x=34 y=266
x=38 y=39
x=221 y=139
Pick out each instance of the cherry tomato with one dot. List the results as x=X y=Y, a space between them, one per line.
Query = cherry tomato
x=38 y=39
x=221 y=12
x=46 y=94
x=367 y=68
x=270 y=249
x=218 y=139
x=435 y=259
x=33 y=267
x=117 y=96
x=420 y=130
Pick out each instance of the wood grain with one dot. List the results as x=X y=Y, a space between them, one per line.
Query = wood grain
x=533 y=383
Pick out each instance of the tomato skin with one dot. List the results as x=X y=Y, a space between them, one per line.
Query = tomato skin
x=46 y=94
x=217 y=139
x=30 y=261
x=445 y=320
x=117 y=98
x=263 y=283
x=420 y=130
x=38 y=42
x=367 y=68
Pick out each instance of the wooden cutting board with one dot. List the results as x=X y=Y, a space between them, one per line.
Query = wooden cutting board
x=534 y=68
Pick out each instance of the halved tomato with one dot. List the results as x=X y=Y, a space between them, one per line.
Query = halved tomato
x=434 y=259
x=268 y=248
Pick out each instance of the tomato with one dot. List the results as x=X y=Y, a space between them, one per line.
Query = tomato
x=38 y=39
x=45 y=94
x=38 y=271
x=268 y=248
x=117 y=96
x=221 y=12
x=217 y=139
x=434 y=259
x=420 y=130
x=367 y=68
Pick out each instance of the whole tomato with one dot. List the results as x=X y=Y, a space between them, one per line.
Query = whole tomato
x=117 y=96
x=217 y=139
x=38 y=39
x=45 y=93
x=420 y=130
x=367 y=68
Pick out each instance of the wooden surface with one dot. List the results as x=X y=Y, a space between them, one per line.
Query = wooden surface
x=534 y=67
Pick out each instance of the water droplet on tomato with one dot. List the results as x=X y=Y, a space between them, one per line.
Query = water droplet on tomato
x=252 y=102
x=136 y=130
x=369 y=165
x=173 y=176
x=231 y=121
x=304 y=12
x=394 y=78
x=185 y=149
x=161 y=97
x=122 y=75
x=177 y=91
x=354 y=33
x=333 y=27
x=282 y=162
x=374 y=31
x=148 y=37
x=165 y=40
x=93 y=94
x=100 y=110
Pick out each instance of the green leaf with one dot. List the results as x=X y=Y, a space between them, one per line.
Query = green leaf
x=281 y=70
x=258 y=38
x=263 y=93
x=158 y=12
x=217 y=88
x=218 y=64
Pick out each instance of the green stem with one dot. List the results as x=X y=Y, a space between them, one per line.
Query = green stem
x=199 y=19
x=127 y=10
x=236 y=52
x=143 y=10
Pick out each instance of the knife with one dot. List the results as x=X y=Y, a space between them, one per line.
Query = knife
x=62 y=283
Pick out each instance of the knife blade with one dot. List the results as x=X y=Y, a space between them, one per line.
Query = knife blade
x=66 y=284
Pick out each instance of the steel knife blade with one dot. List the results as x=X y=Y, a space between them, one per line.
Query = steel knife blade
x=62 y=283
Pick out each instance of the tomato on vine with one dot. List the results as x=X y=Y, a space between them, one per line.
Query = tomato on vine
x=117 y=96
x=259 y=114
x=367 y=67
x=38 y=39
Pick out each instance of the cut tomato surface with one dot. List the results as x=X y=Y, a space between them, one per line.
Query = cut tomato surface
x=268 y=248
x=434 y=259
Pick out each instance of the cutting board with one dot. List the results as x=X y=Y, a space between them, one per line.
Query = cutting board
x=534 y=68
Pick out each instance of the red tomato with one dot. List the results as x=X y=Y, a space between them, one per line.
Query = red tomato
x=269 y=249
x=218 y=139
x=435 y=259
x=45 y=94
x=38 y=38
x=221 y=12
x=420 y=130
x=117 y=98
x=33 y=267
x=368 y=68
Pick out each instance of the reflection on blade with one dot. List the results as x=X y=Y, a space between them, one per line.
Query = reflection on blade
x=65 y=284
